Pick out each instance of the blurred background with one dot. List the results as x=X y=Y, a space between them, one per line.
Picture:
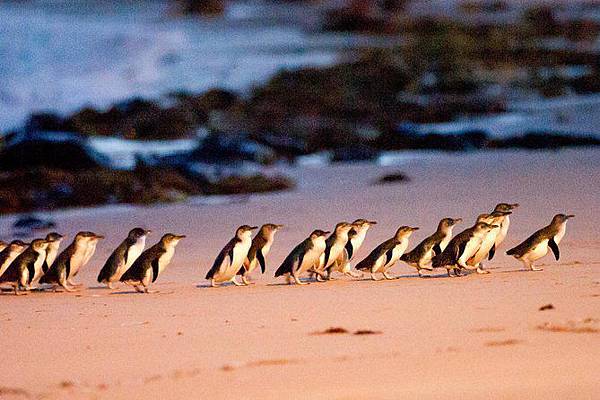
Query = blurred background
x=106 y=102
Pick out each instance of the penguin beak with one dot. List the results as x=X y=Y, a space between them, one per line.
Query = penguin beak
x=373 y=222
x=326 y=233
x=457 y=220
x=252 y=228
x=415 y=228
x=179 y=237
x=148 y=231
x=570 y=216
x=98 y=236
x=279 y=226
x=515 y=205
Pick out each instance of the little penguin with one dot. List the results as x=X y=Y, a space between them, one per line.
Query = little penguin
x=334 y=246
x=261 y=245
x=502 y=207
x=123 y=256
x=462 y=247
x=26 y=266
x=151 y=263
x=8 y=254
x=229 y=261
x=420 y=257
x=384 y=256
x=52 y=251
x=303 y=258
x=487 y=243
x=70 y=261
x=536 y=246
x=356 y=238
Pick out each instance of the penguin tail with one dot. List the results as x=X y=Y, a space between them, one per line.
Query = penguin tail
x=436 y=262
x=512 y=251
x=405 y=257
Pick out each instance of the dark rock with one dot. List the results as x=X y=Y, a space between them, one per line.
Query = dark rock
x=545 y=140
x=546 y=307
x=61 y=150
x=32 y=222
x=397 y=177
x=202 y=7
x=356 y=152
x=223 y=148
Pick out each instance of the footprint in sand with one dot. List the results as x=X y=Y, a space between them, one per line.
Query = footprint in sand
x=507 y=342
x=588 y=325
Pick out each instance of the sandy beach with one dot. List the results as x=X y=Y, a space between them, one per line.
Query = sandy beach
x=474 y=337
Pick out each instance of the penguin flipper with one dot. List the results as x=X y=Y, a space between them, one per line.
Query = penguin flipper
x=327 y=253
x=155 y=269
x=388 y=255
x=437 y=249
x=31 y=270
x=45 y=266
x=68 y=267
x=461 y=250
x=552 y=244
x=492 y=252
x=261 y=260
x=349 y=249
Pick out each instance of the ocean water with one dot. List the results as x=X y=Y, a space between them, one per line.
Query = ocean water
x=60 y=56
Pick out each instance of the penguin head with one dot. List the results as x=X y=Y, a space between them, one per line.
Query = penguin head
x=318 y=234
x=506 y=206
x=343 y=228
x=17 y=245
x=267 y=230
x=561 y=218
x=170 y=239
x=405 y=231
x=54 y=237
x=485 y=227
x=39 y=244
x=245 y=231
x=92 y=237
x=448 y=223
x=487 y=218
x=137 y=233
x=362 y=224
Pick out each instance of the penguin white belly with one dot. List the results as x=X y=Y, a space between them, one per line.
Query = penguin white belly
x=561 y=233
x=503 y=231
x=7 y=263
x=240 y=252
x=537 y=252
x=445 y=241
x=397 y=253
x=165 y=259
x=51 y=254
x=91 y=249
x=379 y=264
x=485 y=247
x=132 y=254
x=426 y=259
x=76 y=261
x=265 y=250
x=312 y=256
x=334 y=253
x=37 y=265
x=470 y=249
x=357 y=241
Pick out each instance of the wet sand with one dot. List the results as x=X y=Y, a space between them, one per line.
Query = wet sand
x=437 y=337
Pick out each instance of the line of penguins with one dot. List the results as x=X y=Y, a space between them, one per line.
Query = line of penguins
x=39 y=265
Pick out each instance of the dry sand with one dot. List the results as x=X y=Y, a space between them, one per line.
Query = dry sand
x=470 y=337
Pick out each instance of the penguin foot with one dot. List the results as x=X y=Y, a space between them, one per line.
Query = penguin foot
x=482 y=271
x=299 y=282
x=374 y=278
x=536 y=269
x=236 y=283
x=247 y=281
x=213 y=283
x=389 y=277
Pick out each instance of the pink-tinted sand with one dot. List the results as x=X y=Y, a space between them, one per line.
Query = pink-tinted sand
x=446 y=338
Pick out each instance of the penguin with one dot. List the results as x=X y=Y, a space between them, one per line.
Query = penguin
x=52 y=251
x=420 y=257
x=70 y=261
x=334 y=246
x=536 y=246
x=356 y=237
x=149 y=265
x=232 y=256
x=303 y=258
x=462 y=247
x=9 y=253
x=21 y=272
x=487 y=243
x=261 y=245
x=503 y=207
x=123 y=256
x=384 y=256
